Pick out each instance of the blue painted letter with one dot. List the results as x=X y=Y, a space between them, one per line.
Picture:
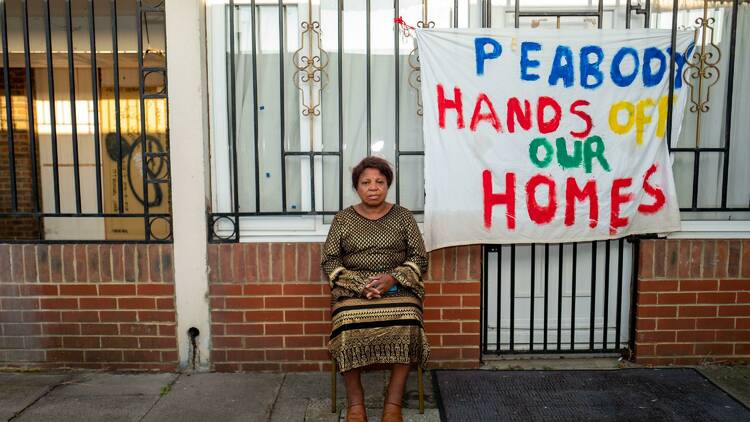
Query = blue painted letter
x=651 y=78
x=680 y=60
x=526 y=63
x=482 y=55
x=591 y=68
x=562 y=70
x=617 y=77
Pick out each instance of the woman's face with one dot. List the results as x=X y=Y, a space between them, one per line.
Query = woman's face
x=372 y=187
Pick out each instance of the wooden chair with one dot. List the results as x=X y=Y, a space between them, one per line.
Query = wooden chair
x=420 y=384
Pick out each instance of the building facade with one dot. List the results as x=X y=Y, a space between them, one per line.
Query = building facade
x=168 y=171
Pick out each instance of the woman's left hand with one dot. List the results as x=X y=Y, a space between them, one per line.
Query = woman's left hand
x=381 y=282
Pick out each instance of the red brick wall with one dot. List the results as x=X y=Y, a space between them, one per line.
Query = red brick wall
x=17 y=227
x=693 y=302
x=87 y=305
x=270 y=307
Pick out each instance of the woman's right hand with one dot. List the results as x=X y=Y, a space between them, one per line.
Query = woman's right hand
x=371 y=293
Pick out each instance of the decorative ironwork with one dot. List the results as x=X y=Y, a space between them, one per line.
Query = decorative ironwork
x=311 y=67
x=701 y=72
x=415 y=77
x=216 y=232
x=154 y=221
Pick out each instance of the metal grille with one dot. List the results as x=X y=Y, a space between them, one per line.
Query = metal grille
x=311 y=62
x=558 y=298
x=85 y=141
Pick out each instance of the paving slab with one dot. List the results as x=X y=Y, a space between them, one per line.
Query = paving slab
x=110 y=397
x=19 y=390
x=307 y=396
x=107 y=408
x=318 y=412
x=218 y=397
x=116 y=384
x=315 y=406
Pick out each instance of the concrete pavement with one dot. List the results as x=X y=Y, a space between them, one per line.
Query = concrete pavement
x=152 y=397
x=262 y=397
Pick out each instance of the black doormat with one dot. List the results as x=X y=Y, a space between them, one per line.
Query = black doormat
x=679 y=394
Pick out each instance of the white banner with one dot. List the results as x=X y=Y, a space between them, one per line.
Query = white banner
x=538 y=136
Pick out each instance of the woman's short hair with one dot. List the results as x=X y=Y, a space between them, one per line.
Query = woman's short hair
x=372 y=163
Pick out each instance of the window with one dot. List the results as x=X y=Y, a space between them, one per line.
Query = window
x=82 y=125
x=302 y=90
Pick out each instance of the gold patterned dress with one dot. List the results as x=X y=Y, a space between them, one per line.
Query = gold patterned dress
x=387 y=329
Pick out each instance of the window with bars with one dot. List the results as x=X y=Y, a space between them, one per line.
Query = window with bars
x=302 y=90
x=83 y=130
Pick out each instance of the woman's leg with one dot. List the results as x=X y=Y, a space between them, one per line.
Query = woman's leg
x=354 y=392
x=355 y=397
x=396 y=386
x=395 y=393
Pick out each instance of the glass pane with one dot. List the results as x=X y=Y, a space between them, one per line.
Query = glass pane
x=269 y=108
x=329 y=110
x=710 y=178
x=382 y=82
x=354 y=78
x=738 y=193
x=245 y=107
x=682 y=167
x=298 y=176
x=411 y=182
x=332 y=184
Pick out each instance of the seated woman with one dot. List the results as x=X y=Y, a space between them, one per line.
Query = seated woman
x=374 y=257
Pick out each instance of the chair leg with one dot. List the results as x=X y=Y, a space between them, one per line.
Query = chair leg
x=333 y=386
x=420 y=381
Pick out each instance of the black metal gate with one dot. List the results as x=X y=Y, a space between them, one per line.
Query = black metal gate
x=558 y=298
x=83 y=126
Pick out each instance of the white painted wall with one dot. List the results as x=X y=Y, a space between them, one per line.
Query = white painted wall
x=188 y=127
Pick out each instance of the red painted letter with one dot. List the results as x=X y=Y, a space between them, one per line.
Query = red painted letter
x=515 y=114
x=584 y=116
x=490 y=116
x=552 y=125
x=573 y=193
x=656 y=192
x=444 y=104
x=615 y=221
x=508 y=198
x=541 y=214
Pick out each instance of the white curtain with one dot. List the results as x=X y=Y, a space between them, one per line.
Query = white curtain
x=268 y=110
x=739 y=171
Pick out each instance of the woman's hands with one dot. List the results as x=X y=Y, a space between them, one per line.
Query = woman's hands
x=378 y=285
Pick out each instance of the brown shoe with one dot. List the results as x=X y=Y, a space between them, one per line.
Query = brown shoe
x=392 y=412
x=356 y=413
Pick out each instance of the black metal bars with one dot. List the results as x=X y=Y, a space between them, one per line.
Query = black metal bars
x=95 y=98
x=233 y=119
x=72 y=99
x=598 y=12
x=68 y=164
x=9 y=110
x=510 y=310
x=30 y=107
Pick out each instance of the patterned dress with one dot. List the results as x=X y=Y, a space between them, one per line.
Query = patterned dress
x=384 y=330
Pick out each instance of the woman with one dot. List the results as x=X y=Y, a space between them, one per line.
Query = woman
x=374 y=257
